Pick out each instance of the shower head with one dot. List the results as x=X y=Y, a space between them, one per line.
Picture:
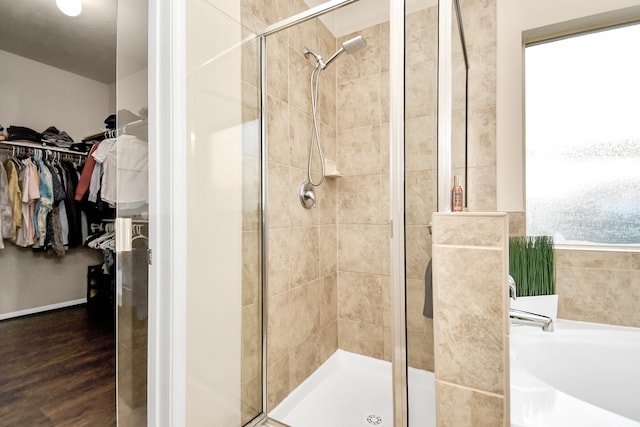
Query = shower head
x=354 y=44
x=350 y=46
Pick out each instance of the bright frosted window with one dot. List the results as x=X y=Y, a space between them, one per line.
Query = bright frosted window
x=583 y=137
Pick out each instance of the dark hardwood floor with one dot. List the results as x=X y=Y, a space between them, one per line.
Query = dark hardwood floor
x=57 y=369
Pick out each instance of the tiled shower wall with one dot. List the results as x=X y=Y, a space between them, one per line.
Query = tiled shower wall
x=328 y=267
x=302 y=277
x=328 y=272
x=479 y=21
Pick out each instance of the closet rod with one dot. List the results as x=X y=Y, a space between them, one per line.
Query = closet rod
x=133 y=220
x=113 y=133
x=36 y=146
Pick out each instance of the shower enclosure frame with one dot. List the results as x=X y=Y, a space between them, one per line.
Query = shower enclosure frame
x=167 y=235
x=397 y=202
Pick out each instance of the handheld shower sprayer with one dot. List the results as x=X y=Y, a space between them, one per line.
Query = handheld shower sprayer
x=350 y=46
x=307 y=195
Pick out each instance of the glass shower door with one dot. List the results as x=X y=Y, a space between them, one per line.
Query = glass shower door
x=132 y=213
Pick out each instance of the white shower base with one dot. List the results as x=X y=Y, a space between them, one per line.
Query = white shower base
x=350 y=390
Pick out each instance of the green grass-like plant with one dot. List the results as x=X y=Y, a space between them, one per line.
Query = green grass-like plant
x=531 y=264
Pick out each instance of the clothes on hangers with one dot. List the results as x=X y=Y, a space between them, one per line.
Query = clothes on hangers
x=125 y=159
x=44 y=214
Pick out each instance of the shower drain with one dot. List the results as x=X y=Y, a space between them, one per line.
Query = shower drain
x=373 y=420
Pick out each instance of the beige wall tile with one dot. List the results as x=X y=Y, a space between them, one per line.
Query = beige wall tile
x=278 y=382
x=327 y=201
x=251 y=341
x=416 y=322
x=482 y=78
x=278 y=327
x=420 y=196
x=385 y=113
x=422 y=36
x=470 y=303
x=364 y=62
x=304 y=254
x=517 y=224
x=360 y=297
x=455 y=229
x=251 y=267
x=326 y=43
x=358 y=102
x=420 y=89
x=278 y=195
x=328 y=341
x=418 y=250
x=420 y=142
x=386 y=300
x=481 y=193
x=482 y=137
x=359 y=199
x=300 y=125
x=278 y=131
x=483 y=25
x=387 y=346
x=384 y=47
x=329 y=301
x=603 y=260
x=299 y=72
x=278 y=67
x=361 y=248
x=361 y=337
x=384 y=148
x=462 y=407
x=327 y=100
x=328 y=250
x=359 y=150
x=597 y=295
x=279 y=278
x=420 y=349
x=304 y=312
x=304 y=35
x=303 y=360
x=251 y=399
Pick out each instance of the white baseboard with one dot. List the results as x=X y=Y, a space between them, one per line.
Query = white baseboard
x=44 y=308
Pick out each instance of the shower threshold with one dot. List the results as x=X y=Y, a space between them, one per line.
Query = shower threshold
x=350 y=390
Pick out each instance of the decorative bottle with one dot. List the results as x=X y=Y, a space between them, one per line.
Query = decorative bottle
x=456 y=195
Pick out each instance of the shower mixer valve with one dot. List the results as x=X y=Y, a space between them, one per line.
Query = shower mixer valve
x=307 y=195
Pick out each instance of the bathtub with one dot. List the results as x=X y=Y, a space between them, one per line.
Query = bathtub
x=581 y=375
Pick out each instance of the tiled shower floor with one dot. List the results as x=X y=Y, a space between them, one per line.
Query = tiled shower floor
x=350 y=390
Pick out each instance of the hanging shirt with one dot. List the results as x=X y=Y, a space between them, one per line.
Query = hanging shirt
x=85 y=177
x=124 y=160
x=30 y=184
x=6 y=212
x=44 y=205
x=15 y=195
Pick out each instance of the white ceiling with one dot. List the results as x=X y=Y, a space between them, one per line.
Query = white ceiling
x=84 y=45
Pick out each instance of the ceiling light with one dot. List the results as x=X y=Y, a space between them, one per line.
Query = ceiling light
x=70 y=7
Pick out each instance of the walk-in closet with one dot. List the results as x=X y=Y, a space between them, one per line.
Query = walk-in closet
x=73 y=129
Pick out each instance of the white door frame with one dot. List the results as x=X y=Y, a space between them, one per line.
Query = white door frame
x=167 y=213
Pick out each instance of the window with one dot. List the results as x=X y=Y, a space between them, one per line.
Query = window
x=582 y=114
